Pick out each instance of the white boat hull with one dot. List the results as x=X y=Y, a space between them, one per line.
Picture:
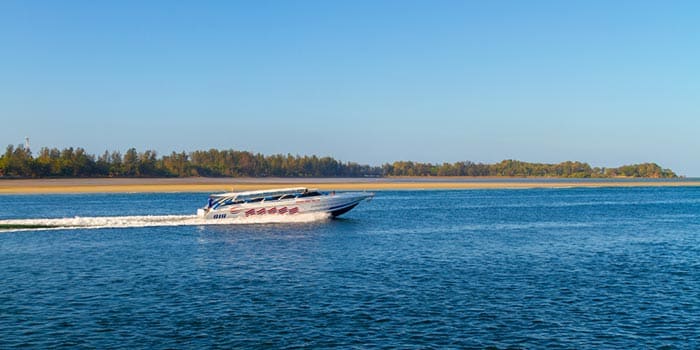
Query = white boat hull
x=332 y=204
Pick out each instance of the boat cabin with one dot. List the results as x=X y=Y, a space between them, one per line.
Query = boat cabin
x=217 y=200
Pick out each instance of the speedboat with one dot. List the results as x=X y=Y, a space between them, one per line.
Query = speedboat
x=284 y=201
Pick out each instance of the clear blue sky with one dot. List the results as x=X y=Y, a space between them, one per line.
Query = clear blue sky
x=606 y=82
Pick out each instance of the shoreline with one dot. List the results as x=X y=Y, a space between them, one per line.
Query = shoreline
x=212 y=185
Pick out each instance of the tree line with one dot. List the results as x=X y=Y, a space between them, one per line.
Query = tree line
x=517 y=168
x=19 y=162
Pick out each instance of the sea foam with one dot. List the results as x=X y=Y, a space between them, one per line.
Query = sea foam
x=99 y=222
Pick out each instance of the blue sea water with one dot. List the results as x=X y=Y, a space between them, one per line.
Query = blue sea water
x=536 y=268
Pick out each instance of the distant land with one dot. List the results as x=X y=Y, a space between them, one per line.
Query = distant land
x=19 y=162
x=227 y=184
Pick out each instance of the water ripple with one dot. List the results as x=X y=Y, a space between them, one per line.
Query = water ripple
x=470 y=269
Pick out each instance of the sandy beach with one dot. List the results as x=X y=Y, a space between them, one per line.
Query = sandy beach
x=210 y=185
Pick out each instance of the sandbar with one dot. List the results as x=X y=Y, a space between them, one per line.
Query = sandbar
x=212 y=185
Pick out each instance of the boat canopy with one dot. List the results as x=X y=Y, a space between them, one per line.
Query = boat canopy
x=258 y=194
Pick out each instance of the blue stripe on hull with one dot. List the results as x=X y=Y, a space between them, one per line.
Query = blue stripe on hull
x=344 y=210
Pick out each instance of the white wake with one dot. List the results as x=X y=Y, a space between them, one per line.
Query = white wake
x=149 y=221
